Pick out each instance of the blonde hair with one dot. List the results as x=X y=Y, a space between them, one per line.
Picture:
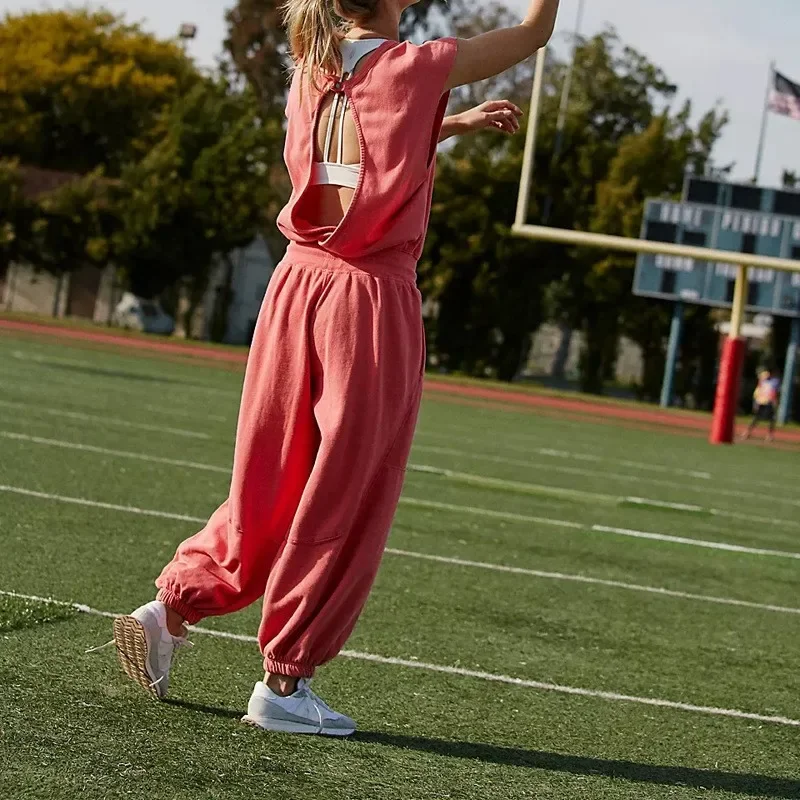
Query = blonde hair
x=314 y=29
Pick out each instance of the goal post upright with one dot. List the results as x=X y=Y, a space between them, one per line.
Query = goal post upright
x=523 y=200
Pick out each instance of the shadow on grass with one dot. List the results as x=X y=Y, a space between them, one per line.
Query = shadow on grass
x=118 y=373
x=737 y=783
x=733 y=782
x=217 y=711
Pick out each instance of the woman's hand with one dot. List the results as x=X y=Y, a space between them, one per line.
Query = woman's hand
x=499 y=115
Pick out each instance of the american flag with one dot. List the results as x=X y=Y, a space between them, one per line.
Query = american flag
x=784 y=97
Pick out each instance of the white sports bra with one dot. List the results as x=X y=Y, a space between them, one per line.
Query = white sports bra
x=334 y=173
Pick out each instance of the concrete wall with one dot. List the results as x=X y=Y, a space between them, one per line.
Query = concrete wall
x=547 y=341
x=252 y=269
x=89 y=293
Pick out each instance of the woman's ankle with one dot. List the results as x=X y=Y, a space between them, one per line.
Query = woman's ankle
x=282 y=685
x=176 y=624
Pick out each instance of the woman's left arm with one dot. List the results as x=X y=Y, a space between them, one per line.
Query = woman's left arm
x=500 y=115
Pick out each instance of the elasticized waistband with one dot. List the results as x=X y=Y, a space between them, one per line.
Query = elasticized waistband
x=387 y=264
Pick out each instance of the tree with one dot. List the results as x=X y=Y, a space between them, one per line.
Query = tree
x=16 y=216
x=647 y=164
x=71 y=229
x=485 y=282
x=81 y=89
x=198 y=194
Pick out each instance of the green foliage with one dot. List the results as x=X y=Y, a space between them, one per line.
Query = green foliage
x=189 y=155
x=16 y=215
x=81 y=89
x=72 y=227
x=201 y=191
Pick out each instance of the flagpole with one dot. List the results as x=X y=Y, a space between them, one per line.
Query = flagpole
x=765 y=117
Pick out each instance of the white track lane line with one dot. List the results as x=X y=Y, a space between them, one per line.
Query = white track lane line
x=465 y=673
x=561 y=576
x=103 y=420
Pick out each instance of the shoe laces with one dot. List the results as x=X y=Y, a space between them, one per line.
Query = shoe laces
x=304 y=685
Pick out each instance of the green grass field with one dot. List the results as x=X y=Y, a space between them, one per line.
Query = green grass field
x=513 y=646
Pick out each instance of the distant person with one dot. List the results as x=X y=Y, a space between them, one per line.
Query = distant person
x=765 y=403
x=334 y=377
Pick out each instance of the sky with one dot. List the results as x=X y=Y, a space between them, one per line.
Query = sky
x=714 y=50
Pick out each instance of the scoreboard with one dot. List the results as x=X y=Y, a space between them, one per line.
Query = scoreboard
x=742 y=219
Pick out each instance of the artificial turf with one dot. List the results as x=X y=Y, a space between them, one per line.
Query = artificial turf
x=487 y=488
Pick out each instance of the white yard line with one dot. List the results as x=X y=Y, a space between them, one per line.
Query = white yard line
x=80 y=501
x=491 y=677
x=108 y=374
x=466 y=477
x=565 y=454
x=510 y=516
x=173 y=412
x=598 y=497
x=662 y=537
x=703 y=488
x=561 y=576
x=439 y=506
x=470 y=478
x=87 y=448
x=103 y=420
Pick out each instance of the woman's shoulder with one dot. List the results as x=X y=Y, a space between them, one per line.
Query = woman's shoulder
x=431 y=52
x=419 y=67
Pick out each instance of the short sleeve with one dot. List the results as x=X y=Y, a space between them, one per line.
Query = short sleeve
x=433 y=63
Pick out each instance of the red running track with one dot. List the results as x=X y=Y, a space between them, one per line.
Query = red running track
x=586 y=407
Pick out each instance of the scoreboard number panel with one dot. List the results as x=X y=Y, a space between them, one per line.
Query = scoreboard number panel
x=735 y=229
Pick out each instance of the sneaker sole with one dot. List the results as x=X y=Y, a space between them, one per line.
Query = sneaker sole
x=131 y=642
x=295 y=727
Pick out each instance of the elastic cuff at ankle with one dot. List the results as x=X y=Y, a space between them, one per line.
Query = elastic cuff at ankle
x=289 y=668
x=174 y=602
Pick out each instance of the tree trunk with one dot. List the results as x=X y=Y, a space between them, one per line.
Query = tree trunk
x=59 y=292
x=559 y=369
x=222 y=303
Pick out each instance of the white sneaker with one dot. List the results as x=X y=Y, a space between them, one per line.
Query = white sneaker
x=146 y=647
x=301 y=712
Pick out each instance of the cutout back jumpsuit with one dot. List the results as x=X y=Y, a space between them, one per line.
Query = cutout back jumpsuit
x=334 y=378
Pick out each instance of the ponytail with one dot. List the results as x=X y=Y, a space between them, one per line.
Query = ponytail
x=313 y=31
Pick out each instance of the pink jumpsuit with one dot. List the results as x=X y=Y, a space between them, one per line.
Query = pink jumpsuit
x=333 y=381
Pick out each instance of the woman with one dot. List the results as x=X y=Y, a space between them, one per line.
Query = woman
x=334 y=377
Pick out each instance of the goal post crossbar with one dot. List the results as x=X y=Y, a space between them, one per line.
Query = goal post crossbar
x=605 y=242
